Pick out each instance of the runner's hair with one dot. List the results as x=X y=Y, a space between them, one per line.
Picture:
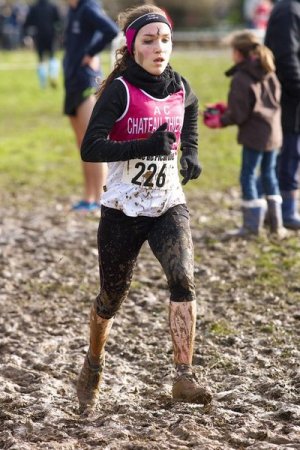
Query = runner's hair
x=122 y=54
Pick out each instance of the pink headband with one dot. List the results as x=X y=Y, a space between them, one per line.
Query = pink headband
x=137 y=24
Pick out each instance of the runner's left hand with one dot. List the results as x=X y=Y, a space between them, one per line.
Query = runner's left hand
x=190 y=166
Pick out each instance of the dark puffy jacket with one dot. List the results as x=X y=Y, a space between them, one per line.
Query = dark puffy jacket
x=254 y=106
x=283 y=38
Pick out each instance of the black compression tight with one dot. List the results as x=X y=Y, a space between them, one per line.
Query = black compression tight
x=120 y=239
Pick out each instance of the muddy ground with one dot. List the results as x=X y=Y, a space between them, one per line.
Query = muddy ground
x=247 y=345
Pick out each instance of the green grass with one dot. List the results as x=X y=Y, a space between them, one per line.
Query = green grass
x=37 y=145
x=221 y=328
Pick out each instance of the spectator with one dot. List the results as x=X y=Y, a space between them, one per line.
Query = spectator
x=283 y=38
x=248 y=11
x=261 y=14
x=20 y=10
x=42 y=24
x=88 y=31
x=10 y=26
x=254 y=106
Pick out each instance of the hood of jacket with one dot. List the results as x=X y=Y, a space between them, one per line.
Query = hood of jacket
x=252 y=67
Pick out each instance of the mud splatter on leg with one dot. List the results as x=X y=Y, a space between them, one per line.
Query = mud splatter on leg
x=182 y=320
x=99 y=332
x=89 y=380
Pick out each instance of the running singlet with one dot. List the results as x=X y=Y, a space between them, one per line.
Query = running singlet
x=146 y=186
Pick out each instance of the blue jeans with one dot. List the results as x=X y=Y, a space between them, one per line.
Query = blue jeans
x=289 y=162
x=258 y=165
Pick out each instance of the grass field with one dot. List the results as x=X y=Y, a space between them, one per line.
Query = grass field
x=37 y=146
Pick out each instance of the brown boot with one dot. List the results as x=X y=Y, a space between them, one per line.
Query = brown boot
x=88 y=386
x=187 y=388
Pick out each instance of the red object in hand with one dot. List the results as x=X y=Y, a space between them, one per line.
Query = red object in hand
x=212 y=120
x=215 y=108
x=220 y=106
x=212 y=114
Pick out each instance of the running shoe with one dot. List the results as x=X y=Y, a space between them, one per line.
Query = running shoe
x=84 y=206
x=187 y=389
x=88 y=386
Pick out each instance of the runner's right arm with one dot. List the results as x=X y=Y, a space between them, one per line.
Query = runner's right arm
x=96 y=147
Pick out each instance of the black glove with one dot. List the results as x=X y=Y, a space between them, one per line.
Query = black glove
x=190 y=166
x=159 y=143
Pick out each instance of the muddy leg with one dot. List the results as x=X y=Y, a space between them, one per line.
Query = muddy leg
x=90 y=377
x=182 y=319
x=119 y=241
x=171 y=242
x=99 y=331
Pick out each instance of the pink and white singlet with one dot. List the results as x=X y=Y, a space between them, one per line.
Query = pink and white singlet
x=147 y=186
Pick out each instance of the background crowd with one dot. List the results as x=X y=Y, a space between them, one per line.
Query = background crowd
x=251 y=13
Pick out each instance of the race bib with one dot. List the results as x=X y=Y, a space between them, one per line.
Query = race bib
x=152 y=172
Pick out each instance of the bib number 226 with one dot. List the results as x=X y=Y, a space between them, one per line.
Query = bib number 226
x=149 y=176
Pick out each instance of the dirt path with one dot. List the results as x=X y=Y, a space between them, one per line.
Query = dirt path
x=247 y=345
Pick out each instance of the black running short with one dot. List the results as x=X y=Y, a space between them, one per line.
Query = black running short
x=74 y=99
